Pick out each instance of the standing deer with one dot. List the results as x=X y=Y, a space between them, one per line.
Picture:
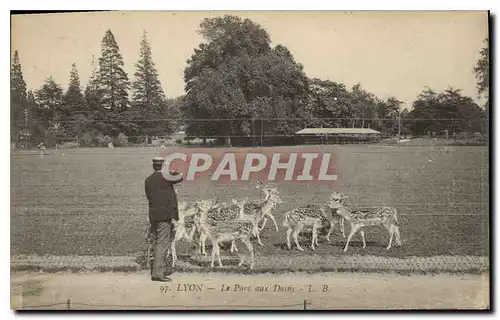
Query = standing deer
x=311 y=215
x=267 y=192
x=359 y=218
x=223 y=231
x=253 y=212
x=183 y=230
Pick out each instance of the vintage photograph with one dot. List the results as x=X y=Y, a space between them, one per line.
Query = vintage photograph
x=250 y=160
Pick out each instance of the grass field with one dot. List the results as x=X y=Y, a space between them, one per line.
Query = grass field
x=91 y=201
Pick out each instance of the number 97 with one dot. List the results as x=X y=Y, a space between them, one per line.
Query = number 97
x=163 y=289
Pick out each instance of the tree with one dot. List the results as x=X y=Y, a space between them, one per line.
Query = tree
x=365 y=108
x=34 y=129
x=75 y=107
x=425 y=112
x=17 y=98
x=236 y=74
x=389 y=112
x=148 y=98
x=112 y=84
x=35 y=134
x=449 y=110
x=330 y=100
x=482 y=71
x=92 y=97
x=49 y=99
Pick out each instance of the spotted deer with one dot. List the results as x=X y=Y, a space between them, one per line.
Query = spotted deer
x=267 y=192
x=253 y=212
x=224 y=231
x=183 y=229
x=359 y=218
x=310 y=215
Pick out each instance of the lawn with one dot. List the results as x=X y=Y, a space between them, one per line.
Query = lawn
x=91 y=201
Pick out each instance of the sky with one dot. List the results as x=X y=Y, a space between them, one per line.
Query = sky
x=390 y=53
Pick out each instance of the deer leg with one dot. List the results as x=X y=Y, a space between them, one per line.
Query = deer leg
x=263 y=224
x=274 y=221
x=218 y=256
x=249 y=246
x=242 y=257
x=288 y=242
x=233 y=246
x=314 y=236
x=363 y=237
x=342 y=227
x=351 y=233
x=174 y=253
x=332 y=224
x=214 y=251
x=203 y=238
x=295 y=235
x=391 y=234
x=258 y=235
x=398 y=235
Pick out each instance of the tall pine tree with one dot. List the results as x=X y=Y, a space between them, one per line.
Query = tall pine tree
x=75 y=105
x=35 y=134
x=17 y=98
x=113 y=84
x=51 y=112
x=148 y=98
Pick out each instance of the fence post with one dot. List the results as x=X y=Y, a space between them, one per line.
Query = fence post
x=305 y=304
x=68 y=304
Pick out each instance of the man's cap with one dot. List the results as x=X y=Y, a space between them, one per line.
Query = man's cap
x=158 y=160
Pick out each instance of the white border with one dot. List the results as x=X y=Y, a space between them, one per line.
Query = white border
x=185 y=5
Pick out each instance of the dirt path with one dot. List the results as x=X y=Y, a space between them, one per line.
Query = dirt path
x=115 y=290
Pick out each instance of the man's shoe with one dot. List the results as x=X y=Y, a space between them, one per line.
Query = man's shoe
x=162 y=279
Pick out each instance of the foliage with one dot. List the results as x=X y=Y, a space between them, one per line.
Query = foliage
x=17 y=98
x=121 y=140
x=103 y=140
x=50 y=113
x=112 y=89
x=236 y=74
x=87 y=139
x=76 y=110
x=148 y=98
x=482 y=71
x=449 y=110
x=237 y=86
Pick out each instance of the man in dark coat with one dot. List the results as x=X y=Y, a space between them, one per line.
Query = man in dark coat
x=162 y=210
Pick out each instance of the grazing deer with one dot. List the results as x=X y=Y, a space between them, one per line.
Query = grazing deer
x=223 y=231
x=359 y=218
x=311 y=215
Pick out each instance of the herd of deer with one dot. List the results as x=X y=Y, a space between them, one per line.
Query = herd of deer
x=239 y=222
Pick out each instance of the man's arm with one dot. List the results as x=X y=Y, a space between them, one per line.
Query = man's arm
x=146 y=190
x=174 y=173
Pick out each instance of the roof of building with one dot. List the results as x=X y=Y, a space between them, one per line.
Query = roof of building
x=337 y=131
